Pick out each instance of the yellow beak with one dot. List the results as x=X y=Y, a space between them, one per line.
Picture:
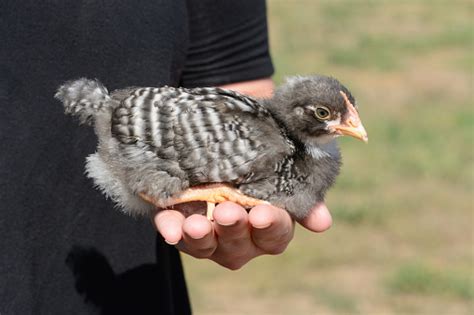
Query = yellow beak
x=351 y=126
x=356 y=131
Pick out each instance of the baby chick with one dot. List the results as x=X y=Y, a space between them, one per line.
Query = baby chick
x=160 y=146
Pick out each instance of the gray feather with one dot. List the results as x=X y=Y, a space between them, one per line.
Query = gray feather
x=84 y=98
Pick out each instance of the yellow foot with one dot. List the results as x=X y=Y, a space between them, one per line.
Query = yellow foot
x=210 y=210
x=210 y=193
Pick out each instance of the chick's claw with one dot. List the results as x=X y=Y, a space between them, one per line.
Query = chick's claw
x=211 y=194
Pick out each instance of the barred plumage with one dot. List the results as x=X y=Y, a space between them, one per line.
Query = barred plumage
x=203 y=129
x=161 y=140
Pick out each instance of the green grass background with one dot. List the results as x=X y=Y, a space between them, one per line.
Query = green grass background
x=402 y=238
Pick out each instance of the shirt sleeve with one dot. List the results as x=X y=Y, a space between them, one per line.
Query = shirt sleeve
x=228 y=42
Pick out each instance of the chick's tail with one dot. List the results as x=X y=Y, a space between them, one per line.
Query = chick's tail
x=84 y=98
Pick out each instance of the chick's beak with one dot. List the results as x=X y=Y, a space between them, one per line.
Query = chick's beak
x=351 y=125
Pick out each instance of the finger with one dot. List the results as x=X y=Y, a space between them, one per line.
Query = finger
x=169 y=224
x=231 y=225
x=235 y=246
x=272 y=228
x=319 y=219
x=198 y=237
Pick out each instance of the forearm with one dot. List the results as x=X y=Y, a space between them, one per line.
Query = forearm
x=260 y=88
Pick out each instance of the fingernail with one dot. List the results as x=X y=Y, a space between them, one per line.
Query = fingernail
x=198 y=238
x=171 y=243
x=261 y=227
x=229 y=224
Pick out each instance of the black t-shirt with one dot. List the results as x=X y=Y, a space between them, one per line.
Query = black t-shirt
x=64 y=249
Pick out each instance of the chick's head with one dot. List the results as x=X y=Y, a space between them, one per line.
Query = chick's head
x=316 y=109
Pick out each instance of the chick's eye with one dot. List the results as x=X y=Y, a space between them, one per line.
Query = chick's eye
x=322 y=113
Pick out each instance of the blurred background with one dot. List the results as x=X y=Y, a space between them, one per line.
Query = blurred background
x=402 y=239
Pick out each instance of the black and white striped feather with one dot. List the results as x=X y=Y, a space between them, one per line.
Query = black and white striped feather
x=212 y=134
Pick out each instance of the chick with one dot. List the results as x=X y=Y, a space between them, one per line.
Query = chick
x=161 y=146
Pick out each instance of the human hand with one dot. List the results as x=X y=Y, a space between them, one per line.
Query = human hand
x=235 y=236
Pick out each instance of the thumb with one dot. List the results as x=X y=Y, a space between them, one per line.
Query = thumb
x=319 y=219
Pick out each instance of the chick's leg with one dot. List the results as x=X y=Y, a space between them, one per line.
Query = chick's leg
x=210 y=210
x=212 y=194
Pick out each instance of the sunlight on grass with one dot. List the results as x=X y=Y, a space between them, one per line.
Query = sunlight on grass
x=336 y=301
x=416 y=278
